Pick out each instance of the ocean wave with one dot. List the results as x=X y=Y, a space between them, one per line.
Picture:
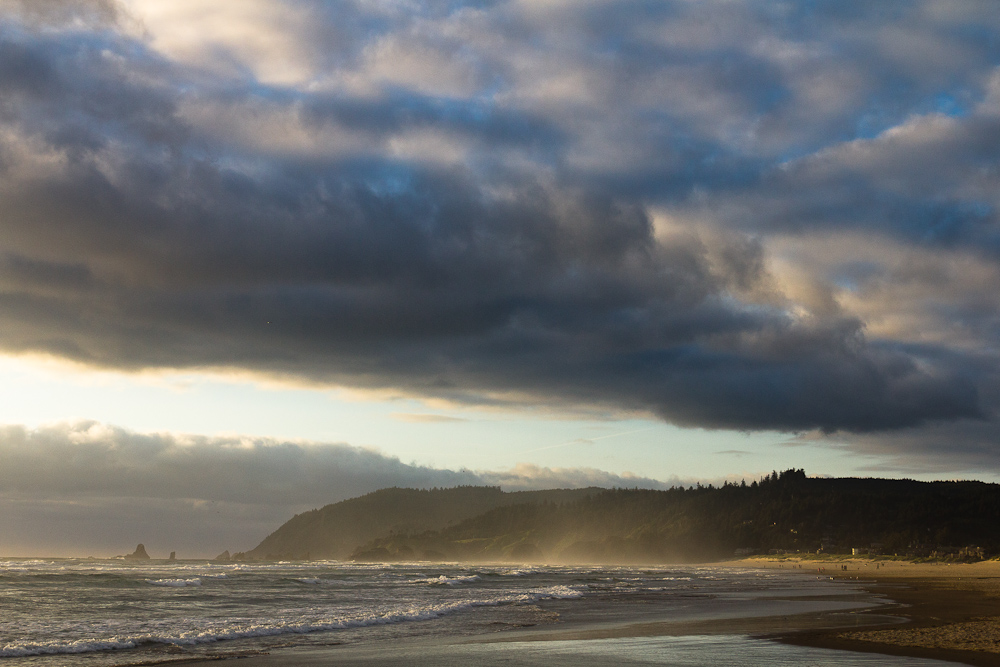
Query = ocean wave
x=559 y=593
x=53 y=648
x=511 y=571
x=174 y=583
x=445 y=580
x=245 y=631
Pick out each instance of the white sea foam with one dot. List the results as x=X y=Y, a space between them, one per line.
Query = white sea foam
x=175 y=583
x=444 y=580
x=15 y=650
x=410 y=613
x=511 y=571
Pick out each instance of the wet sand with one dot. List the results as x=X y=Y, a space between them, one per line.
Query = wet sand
x=572 y=643
x=951 y=612
x=953 y=609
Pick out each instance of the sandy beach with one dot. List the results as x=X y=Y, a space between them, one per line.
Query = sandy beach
x=953 y=609
x=951 y=612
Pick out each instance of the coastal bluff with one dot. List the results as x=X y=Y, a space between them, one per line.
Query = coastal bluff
x=337 y=530
x=782 y=513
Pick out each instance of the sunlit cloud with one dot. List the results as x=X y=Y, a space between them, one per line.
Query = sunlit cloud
x=422 y=418
x=525 y=476
x=716 y=214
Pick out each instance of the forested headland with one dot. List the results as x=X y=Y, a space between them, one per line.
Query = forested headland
x=785 y=512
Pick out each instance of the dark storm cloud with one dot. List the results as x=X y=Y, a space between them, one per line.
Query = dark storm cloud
x=400 y=109
x=962 y=450
x=468 y=200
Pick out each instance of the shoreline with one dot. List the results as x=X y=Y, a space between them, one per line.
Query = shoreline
x=952 y=613
x=952 y=609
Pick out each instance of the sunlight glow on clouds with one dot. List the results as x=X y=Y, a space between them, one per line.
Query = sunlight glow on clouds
x=228 y=37
x=741 y=215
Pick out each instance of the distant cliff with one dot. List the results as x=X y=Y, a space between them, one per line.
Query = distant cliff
x=336 y=531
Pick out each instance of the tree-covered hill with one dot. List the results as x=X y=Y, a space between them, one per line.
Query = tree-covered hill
x=787 y=512
x=336 y=530
x=782 y=512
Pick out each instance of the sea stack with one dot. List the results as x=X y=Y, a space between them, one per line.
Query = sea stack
x=139 y=553
x=173 y=555
x=224 y=556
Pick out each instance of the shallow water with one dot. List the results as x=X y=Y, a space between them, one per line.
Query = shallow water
x=115 y=612
x=688 y=651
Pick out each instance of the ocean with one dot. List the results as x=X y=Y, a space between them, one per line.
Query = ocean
x=117 y=612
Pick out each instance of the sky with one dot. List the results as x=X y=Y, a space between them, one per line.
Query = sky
x=261 y=256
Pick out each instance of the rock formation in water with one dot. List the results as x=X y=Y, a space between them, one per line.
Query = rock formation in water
x=138 y=554
x=173 y=555
x=224 y=556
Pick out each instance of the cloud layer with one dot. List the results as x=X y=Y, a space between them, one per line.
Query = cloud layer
x=83 y=488
x=752 y=214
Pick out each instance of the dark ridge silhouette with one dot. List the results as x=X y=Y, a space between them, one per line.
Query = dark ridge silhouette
x=335 y=531
x=784 y=512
